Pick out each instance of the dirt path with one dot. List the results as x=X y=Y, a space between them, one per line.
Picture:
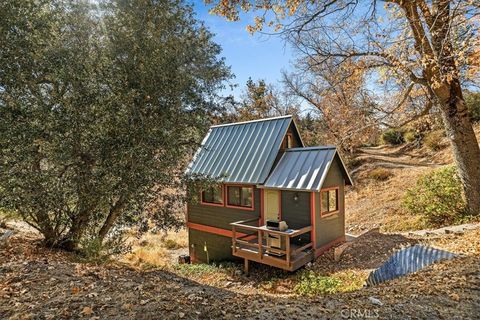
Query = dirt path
x=392 y=158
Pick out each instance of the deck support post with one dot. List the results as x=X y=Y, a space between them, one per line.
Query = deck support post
x=287 y=249
x=234 y=240
x=246 y=266
x=260 y=244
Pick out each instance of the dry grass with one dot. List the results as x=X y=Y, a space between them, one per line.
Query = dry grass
x=157 y=250
x=375 y=204
x=435 y=140
x=376 y=199
x=379 y=174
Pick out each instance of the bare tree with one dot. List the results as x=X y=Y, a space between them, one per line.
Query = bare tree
x=413 y=45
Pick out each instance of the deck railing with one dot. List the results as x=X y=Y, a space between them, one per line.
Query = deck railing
x=244 y=235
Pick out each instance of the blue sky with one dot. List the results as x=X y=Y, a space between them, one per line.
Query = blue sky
x=256 y=56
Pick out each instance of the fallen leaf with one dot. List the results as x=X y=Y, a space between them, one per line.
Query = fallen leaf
x=455 y=296
x=87 y=311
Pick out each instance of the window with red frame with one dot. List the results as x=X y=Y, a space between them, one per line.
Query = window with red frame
x=213 y=195
x=329 y=201
x=240 y=196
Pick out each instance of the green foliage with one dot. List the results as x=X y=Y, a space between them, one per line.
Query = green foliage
x=380 y=174
x=410 y=136
x=392 y=136
x=8 y=214
x=437 y=197
x=434 y=140
x=97 y=250
x=472 y=99
x=100 y=107
x=171 y=244
x=92 y=250
x=200 y=269
x=311 y=283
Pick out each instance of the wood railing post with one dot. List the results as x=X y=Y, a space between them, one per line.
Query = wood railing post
x=234 y=240
x=260 y=243
x=287 y=249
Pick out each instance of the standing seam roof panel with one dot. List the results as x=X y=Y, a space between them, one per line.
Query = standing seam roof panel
x=246 y=155
x=244 y=151
x=302 y=169
x=230 y=137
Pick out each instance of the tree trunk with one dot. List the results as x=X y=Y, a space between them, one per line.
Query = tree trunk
x=111 y=218
x=72 y=239
x=464 y=143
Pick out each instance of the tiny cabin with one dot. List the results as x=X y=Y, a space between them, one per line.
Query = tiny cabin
x=276 y=202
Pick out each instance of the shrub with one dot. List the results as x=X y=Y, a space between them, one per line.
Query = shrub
x=437 y=197
x=380 y=174
x=392 y=136
x=472 y=99
x=434 y=140
x=410 y=136
x=311 y=283
x=171 y=244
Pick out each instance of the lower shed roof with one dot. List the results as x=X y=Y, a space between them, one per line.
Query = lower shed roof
x=304 y=169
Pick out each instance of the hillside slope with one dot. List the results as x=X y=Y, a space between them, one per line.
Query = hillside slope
x=375 y=200
x=43 y=284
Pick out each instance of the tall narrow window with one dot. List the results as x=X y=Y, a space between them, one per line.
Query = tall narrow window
x=213 y=195
x=289 y=141
x=240 y=196
x=329 y=201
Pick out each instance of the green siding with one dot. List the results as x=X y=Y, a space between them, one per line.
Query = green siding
x=331 y=227
x=221 y=217
x=219 y=247
x=296 y=213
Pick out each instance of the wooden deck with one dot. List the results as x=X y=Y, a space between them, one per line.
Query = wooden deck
x=250 y=242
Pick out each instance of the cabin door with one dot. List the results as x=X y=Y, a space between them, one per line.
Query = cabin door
x=272 y=205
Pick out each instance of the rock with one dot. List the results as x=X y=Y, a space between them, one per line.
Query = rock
x=375 y=301
x=181 y=315
x=4 y=238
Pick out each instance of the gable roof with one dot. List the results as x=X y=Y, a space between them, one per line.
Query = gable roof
x=304 y=169
x=242 y=152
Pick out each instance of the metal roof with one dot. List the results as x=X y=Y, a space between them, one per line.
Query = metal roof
x=242 y=152
x=304 y=169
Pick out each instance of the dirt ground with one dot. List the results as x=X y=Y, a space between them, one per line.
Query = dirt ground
x=38 y=283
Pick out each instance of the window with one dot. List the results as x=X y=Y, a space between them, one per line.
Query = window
x=289 y=141
x=240 y=196
x=213 y=195
x=329 y=201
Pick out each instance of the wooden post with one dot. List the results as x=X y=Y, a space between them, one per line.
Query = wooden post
x=260 y=243
x=234 y=242
x=245 y=268
x=287 y=249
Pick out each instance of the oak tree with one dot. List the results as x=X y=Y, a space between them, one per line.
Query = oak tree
x=101 y=104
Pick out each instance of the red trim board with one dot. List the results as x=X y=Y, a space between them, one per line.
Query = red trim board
x=313 y=234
